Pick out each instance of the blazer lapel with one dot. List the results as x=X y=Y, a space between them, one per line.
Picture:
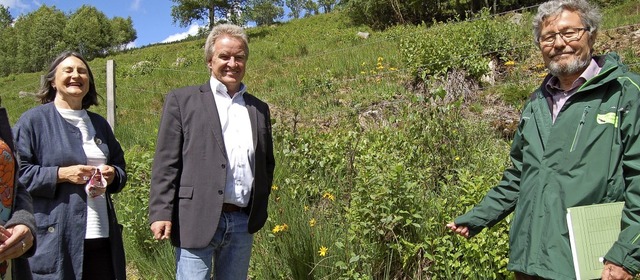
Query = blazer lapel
x=209 y=104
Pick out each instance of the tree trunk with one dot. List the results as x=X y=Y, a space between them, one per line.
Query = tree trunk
x=212 y=14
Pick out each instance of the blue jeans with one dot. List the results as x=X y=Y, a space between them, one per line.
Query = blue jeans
x=230 y=251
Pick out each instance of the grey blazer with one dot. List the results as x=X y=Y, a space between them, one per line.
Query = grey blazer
x=189 y=168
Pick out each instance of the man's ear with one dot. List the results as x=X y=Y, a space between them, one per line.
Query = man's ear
x=592 y=40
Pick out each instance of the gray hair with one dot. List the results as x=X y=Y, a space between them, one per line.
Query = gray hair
x=589 y=14
x=47 y=93
x=224 y=30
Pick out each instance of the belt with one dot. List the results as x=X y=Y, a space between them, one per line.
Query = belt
x=228 y=207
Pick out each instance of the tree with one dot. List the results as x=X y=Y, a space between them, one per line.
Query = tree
x=7 y=42
x=5 y=17
x=123 y=32
x=296 y=7
x=311 y=8
x=89 y=32
x=327 y=5
x=39 y=38
x=185 y=12
x=236 y=12
x=265 y=12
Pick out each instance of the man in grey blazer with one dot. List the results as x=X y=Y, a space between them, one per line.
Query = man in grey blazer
x=213 y=166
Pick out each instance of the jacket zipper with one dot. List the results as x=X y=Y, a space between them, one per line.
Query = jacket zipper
x=576 y=137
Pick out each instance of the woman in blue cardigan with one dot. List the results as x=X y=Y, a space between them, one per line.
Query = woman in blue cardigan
x=68 y=155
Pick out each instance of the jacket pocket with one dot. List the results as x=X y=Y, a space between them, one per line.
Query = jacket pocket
x=48 y=251
x=576 y=137
x=185 y=192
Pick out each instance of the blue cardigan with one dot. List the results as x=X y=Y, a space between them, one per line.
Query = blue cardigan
x=46 y=141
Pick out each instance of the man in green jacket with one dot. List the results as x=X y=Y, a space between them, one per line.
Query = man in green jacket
x=576 y=144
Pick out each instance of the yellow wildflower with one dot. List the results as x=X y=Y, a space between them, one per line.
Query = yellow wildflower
x=277 y=229
x=312 y=222
x=457 y=158
x=510 y=63
x=393 y=68
x=306 y=208
x=329 y=196
x=323 y=251
x=274 y=188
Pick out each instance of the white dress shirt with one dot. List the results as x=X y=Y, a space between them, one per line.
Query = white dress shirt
x=238 y=141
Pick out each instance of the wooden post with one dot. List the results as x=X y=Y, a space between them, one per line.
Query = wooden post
x=111 y=94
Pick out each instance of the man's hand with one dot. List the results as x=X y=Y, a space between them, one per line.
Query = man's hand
x=613 y=271
x=161 y=230
x=461 y=230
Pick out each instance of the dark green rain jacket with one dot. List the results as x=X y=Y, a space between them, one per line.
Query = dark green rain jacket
x=590 y=155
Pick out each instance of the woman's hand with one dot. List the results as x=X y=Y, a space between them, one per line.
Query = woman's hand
x=14 y=241
x=108 y=173
x=76 y=174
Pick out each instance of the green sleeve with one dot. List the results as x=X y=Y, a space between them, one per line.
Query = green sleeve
x=501 y=200
x=626 y=250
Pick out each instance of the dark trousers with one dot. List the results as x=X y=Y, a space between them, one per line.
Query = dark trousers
x=97 y=262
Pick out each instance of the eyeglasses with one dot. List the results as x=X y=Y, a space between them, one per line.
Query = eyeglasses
x=568 y=35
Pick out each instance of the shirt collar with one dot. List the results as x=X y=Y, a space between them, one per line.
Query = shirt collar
x=553 y=85
x=221 y=89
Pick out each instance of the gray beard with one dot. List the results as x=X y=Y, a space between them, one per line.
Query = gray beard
x=570 y=68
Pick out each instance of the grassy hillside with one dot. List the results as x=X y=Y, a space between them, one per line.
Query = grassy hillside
x=311 y=66
x=314 y=70
x=372 y=161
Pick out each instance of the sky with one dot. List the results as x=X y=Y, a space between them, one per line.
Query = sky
x=151 y=18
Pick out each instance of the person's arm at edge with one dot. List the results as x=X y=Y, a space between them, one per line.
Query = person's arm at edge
x=166 y=168
x=23 y=215
x=39 y=180
x=500 y=201
x=625 y=252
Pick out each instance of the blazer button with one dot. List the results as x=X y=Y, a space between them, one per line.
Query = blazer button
x=220 y=192
x=51 y=229
x=223 y=166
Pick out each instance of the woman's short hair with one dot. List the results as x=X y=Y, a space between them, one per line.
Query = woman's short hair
x=47 y=92
x=224 y=30
x=589 y=14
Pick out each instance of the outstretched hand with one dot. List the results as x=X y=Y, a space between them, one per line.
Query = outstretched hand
x=460 y=230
